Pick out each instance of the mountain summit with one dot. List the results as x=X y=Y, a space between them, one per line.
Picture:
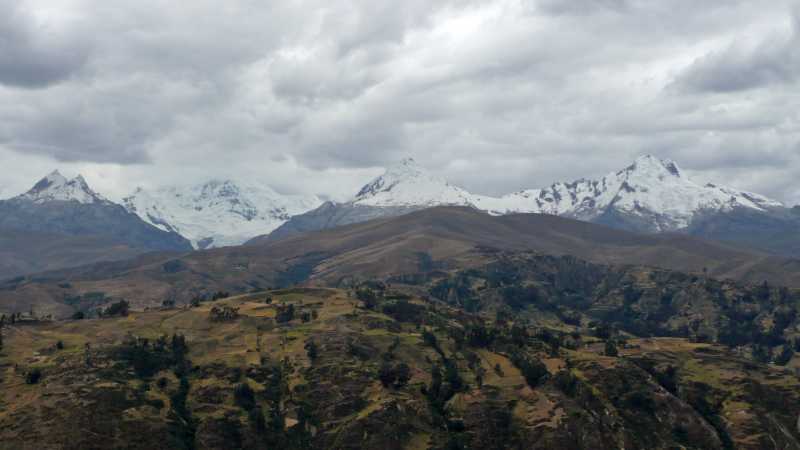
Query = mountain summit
x=409 y=184
x=56 y=187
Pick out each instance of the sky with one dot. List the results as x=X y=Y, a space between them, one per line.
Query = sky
x=316 y=96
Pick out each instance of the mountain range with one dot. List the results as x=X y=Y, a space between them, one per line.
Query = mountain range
x=649 y=196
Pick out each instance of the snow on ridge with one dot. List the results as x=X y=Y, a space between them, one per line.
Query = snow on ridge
x=217 y=213
x=652 y=188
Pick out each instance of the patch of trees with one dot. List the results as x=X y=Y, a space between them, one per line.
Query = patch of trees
x=285 y=313
x=117 y=309
x=223 y=313
x=368 y=296
x=534 y=371
x=182 y=427
x=519 y=297
x=147 y=357
x=445 y=383
x=394 y=375
x=404 y=311
x=455 y=290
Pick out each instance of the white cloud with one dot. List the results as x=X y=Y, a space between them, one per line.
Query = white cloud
x=314 y=96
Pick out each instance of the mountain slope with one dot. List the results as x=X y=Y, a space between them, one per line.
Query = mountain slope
x=25 y=252
x=81 y=225
x=217 y=213
x=410 y=245
x=320 y=369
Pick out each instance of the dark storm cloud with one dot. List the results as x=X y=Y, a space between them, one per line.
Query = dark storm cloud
x=31 y=55
x=498 y=95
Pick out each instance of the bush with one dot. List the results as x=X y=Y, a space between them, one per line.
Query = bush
x=78 y=315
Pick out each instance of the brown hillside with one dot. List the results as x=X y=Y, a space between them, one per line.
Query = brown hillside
x=424 y=241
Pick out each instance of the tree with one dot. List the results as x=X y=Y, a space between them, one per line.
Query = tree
x=311 y=349
x=78 y=315
x=782 y=359
x=285 y=313
x=611 y=349
x=33 y=376
x=244 y=397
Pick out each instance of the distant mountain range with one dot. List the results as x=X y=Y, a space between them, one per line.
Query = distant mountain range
x=650 y=196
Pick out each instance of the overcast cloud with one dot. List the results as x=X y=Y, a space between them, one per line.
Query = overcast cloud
x=316 y=96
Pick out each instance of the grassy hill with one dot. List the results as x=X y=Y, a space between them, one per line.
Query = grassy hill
x=376 y=367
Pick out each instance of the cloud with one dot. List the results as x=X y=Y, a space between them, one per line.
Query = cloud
x=745 y=65
x=36 y=55
x=315 y=96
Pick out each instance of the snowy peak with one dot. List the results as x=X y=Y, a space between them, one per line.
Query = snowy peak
x=56 y=187
x=653 y=167
x=217 y=212
x=409 y=184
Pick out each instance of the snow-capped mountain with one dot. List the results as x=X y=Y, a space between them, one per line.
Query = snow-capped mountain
x=217 y=213
x=56 y=187
x=651 y=195
x=408 y=184
x=61 y=207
